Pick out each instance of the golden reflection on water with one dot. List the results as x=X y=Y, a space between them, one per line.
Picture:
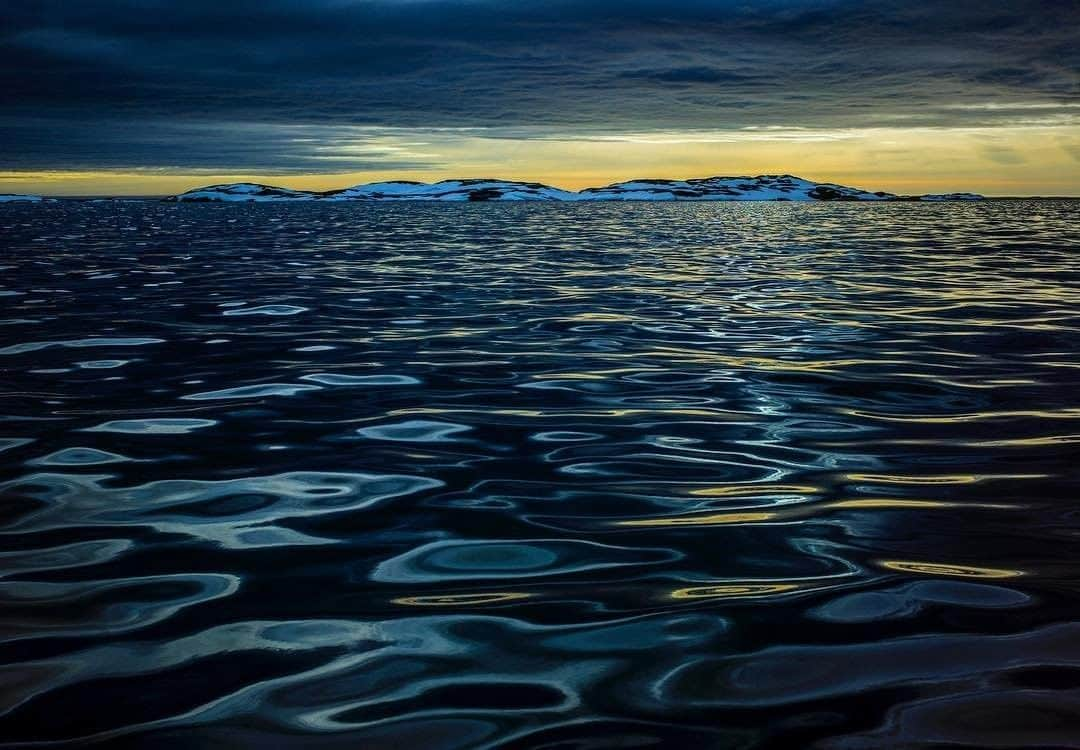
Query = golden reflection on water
x=713 y=519
x=802 y=511
x=979 y=416
x=685 y=478
x=733 y=590
x=595 y=374
x=891 y=502
x=943 y=569
x=674 y=354
x=461 y=600
x=939 y=479
x=564 y=413
x=1024 y=442
x=754 y=490
x=594 y=317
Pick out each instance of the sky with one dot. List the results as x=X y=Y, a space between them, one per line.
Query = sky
x=157 y=96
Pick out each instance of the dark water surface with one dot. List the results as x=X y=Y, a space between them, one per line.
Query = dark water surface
x=529 y=476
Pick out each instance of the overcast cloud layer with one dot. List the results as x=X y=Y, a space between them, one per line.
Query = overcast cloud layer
x=335 y=85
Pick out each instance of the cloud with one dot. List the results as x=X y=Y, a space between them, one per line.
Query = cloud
x=699 y=74
x=1072 y=148
x=1003 y=155
x=128 y=82
x=214 y=147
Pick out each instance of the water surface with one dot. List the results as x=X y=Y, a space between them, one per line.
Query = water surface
x=519 y=476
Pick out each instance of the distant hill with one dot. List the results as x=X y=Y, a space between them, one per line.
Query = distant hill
x=759 y=188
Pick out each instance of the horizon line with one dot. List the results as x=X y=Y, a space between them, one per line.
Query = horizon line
x=11 y=189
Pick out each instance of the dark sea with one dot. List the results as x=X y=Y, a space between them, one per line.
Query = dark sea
x=574 y=477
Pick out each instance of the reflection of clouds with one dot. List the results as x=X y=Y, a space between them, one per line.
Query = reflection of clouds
x=38 y=609
x=77 y=554
x=774 y=620
x=788 y=675
x=237 y=513
x=909 y=600
x=484 y=559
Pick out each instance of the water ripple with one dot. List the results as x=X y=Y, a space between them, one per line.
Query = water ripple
x=517 y=476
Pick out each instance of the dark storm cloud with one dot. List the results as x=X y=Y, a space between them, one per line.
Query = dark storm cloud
x=693 y=75
x=193 y=147
x=131 y=83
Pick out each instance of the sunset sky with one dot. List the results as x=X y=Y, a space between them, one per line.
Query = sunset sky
x=154 y=97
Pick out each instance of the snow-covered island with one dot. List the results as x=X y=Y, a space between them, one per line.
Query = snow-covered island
x=760 y=188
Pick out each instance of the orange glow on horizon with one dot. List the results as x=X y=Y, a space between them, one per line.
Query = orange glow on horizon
x=1036 y=161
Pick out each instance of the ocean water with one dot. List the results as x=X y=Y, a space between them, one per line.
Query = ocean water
x=763 y=476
